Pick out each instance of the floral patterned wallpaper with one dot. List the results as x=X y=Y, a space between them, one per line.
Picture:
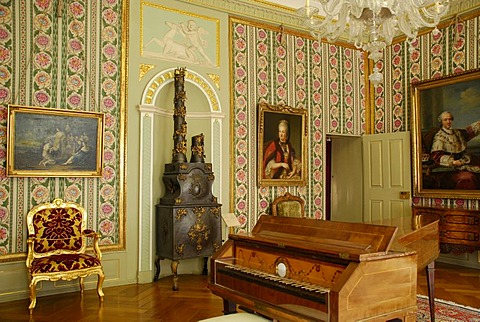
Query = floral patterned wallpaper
x=295 y=70
x=66 y=57
x=329 y=81
x=455 y=48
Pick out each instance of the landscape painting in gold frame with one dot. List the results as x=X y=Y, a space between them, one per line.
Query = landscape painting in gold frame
x=46 y=142
x=446 y=141
x=282 y=145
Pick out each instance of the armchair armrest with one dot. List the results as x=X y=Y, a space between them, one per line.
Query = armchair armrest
x=96 y=247
x=30 y=241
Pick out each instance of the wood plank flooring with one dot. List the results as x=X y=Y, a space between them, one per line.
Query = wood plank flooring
x=454 y=283
x=194 y=301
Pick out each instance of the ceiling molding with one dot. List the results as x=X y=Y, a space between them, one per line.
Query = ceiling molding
x=275 y=13
x=260 y=10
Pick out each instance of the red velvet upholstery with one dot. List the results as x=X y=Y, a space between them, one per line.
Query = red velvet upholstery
x=57 y=243
x=63 y=263
x=57 y=229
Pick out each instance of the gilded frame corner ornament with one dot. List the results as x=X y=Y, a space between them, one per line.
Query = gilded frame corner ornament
x=47 y=142
x=435 y=174
x=282 y=157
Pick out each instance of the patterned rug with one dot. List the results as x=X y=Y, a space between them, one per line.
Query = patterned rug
x=446 y=311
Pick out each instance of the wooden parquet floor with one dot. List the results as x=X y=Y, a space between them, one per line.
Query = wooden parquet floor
x=136 y=302
x=194 y=301
x=454 y=283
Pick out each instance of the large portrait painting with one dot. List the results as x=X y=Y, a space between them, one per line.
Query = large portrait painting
x=45 y=142
x=178 y=35
x=282 y=145
x=446 y=140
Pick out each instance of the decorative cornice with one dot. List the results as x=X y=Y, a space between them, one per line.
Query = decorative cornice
x=268 y=12
x=257 y=10
x=464 y=6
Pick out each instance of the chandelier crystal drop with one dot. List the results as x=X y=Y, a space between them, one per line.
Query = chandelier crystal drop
x=371 y=25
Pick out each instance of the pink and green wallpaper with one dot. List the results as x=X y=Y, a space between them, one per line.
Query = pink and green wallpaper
x=67 y=57
x=329 y=81
x=454 y=49
x=297 y=71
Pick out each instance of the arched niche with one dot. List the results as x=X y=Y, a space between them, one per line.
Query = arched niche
x=204 y=115
x=164 y=80
x=204 y=111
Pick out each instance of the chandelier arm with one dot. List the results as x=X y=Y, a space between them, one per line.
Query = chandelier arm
x=427 y=12
x=420 y=20
x=356 y=32
x=313 y=24
x=405 y=26
x=335 y=29
x=412 y=19
x=388 y=31
x=333 y=7
x=437 y=13
x=429 y=3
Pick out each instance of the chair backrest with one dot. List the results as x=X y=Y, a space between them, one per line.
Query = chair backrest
x=288 y=205
x=57 y=228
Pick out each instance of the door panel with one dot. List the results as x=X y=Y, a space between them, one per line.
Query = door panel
x=375 y=163
x=386 y=167
x=345 y=179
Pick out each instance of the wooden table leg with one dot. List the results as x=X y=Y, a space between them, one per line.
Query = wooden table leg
x=229 y=307
x=431 y=289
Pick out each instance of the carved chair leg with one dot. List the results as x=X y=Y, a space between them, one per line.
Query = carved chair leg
x=33 y=296
x=82 y=286
x=101 y=277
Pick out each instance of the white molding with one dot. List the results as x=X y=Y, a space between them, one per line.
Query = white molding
x=145 y=211
x=158 y=81
x=160 y=111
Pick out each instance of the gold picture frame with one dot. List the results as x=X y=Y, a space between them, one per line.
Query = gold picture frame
x=282 y=162
x=46 y=142
x=442 y=167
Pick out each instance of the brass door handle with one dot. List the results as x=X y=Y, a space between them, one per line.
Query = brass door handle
x=404 y=194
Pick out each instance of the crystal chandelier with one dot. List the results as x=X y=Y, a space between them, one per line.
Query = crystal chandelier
x=372 y=24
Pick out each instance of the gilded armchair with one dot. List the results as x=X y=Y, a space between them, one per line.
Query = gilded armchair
x=57 y=241
x=288 y=205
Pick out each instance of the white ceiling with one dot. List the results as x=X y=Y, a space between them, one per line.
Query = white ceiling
x=295 y=4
